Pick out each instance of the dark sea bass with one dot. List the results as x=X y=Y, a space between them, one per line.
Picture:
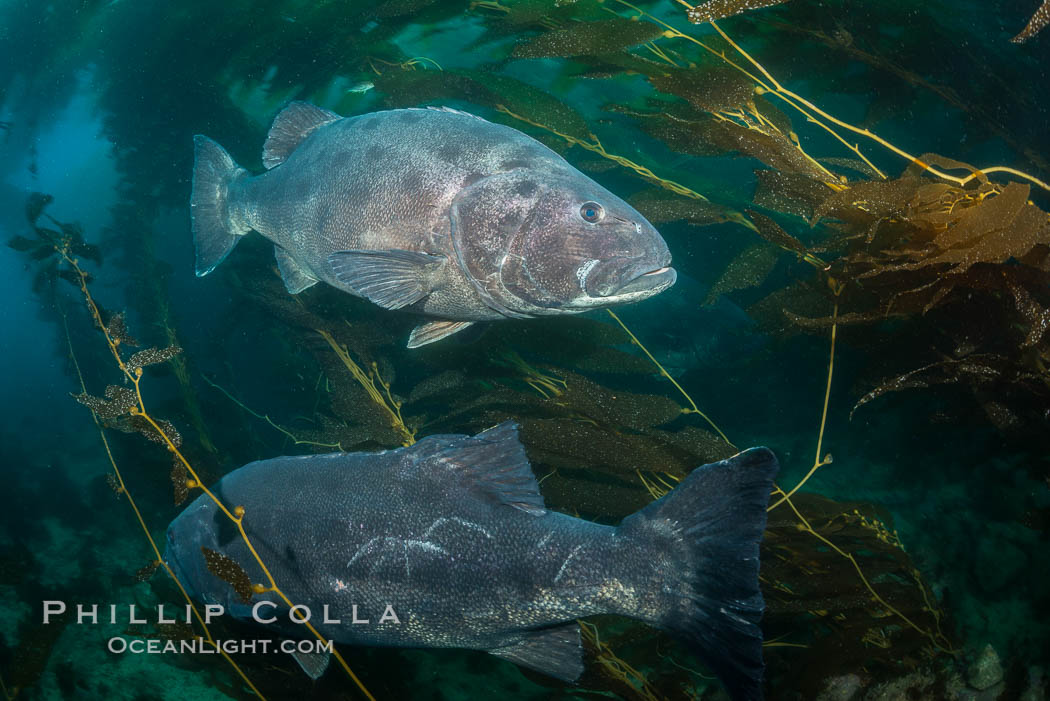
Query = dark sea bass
x=431 y=210
x=452 y=533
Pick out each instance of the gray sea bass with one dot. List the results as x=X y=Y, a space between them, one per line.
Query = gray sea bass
x=431 y=210
x=453 y=535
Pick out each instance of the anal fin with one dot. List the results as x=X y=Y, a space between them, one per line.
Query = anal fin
x=313 y=663
x=556 y=652
x=392 y=279
x=435 y=331
x=295 y=278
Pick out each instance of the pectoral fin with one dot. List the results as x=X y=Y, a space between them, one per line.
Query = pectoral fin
x=435 y=331
x=313 y=663
x=296 y=279
x=392 y=279
x=553 y=651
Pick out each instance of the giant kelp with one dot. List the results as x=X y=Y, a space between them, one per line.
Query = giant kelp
x=954 y=256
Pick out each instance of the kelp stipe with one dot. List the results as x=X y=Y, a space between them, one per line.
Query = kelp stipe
x=126 y=408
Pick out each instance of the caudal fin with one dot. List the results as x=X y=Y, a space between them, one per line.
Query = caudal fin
x=710 y=526
x=214 y=232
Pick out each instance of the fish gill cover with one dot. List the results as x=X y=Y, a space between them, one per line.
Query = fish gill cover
x=855 y=195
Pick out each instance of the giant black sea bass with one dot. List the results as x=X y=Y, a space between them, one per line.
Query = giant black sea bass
x=448 y=543
x=434 y=211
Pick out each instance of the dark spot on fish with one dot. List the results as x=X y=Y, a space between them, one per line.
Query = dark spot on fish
x=412 y=182
x=448 y=151
x=370 y=124
x=525 y=188
x=375 y=153
x=472 y=178
x=224 y=529
x=513 y=164
x=411 y=116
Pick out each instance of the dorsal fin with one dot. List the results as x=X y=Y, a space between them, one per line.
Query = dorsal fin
x=494 y=462
x=291 y=125
x=452 y=110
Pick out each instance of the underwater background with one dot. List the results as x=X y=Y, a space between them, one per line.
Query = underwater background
x=850 y=286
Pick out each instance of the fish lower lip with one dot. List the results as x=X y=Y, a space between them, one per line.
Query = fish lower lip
x=661 y=277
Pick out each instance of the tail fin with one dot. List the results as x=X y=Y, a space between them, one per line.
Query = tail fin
x=214 y=232
x=710 y=525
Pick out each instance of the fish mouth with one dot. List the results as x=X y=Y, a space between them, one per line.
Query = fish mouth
x=648 y=282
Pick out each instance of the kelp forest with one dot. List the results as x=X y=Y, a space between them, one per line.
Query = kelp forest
x=856 y=196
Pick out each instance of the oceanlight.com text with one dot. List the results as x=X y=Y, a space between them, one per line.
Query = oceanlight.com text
x=137 y=646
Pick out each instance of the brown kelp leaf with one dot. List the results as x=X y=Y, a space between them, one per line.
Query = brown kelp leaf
x=847 y=319
x=712 y=89
x=86 y=250
x=35 y=204
x=960 y=230
x=591 y=494
x=720 y=9
x=118 y=330
x=118 y=402
x=772 y=232
x=703 y=445
x=436 y=385
x=973 y=369
x=179 y=476
x=791 y=193
x=920 y=165
x=534 y=104
x=867 y=202
x=230 y=572
x=806 y=585
x=802 y=297
x=74 y=279
x=588 y=39
x=612 y=361
x=1037 y=316
x=660 y=207
x=146 y=571
x=702 y=136
x=580 y=444
x=616 y=64
x=1000 y=228
x=748 y=269
x=22 y=244
x=1001 y=416
x=410 y=88
x=853 y=164
x=1038 y=258
x=151 y=356
x=140 y=424
x=612 y=407
x=1039 y=20
x=43 y=251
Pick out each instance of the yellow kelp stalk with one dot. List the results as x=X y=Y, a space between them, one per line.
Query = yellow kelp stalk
x=122 y=402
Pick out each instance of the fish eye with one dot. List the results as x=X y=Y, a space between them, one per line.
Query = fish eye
x=592 y=212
